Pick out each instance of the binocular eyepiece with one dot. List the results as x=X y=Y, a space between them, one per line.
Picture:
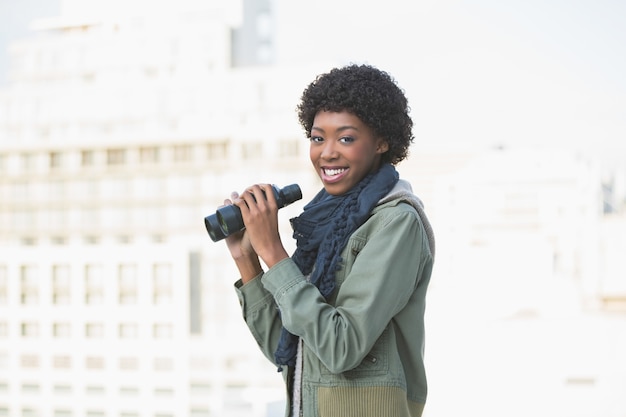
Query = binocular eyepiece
x=227 y=220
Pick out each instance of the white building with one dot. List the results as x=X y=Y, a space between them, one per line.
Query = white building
x=123 y=127
x=118 y=134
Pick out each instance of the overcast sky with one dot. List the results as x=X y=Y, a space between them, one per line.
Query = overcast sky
x=542 y=72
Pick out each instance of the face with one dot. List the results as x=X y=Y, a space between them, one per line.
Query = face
x=343 y=150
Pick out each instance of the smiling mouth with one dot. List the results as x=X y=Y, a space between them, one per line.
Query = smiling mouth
x=331 y=172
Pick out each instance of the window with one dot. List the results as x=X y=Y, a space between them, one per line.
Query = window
x=30 y=412
x=29 y=284
x=61 y=285
x=116 y=156
x=3 y=164
x=94 y=330
x=163 y=392
x=93 y=362
x=182 y=153
x=149 y=155
x=200 y=388
x=129 y=363
x=251 y=151
x=162 y=283
x=94 y=284
x=163 y=364
x=29 y=329
x=29 y=361
x=61 y=362
x=61 y=330
x=95 y=390
x=162 y=331
x=56 y=160
x=127 y=279
x=4 y=285
x=129 y=391
x=87 y=158
x=28 y=162
x=217 y=151
x=128 y=331
x=30 y=388
x=62 y=389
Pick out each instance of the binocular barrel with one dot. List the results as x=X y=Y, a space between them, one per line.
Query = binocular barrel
x=227 y=220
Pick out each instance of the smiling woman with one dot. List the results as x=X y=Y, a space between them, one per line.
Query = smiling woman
x=343 y=317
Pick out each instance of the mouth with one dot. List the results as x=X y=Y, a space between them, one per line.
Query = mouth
x=330 y=175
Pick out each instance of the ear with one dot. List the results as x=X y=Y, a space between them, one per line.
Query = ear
x=382 y=146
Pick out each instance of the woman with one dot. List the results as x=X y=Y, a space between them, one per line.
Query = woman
x=343 y=317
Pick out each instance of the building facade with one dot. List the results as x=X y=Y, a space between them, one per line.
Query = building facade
x=124 y=126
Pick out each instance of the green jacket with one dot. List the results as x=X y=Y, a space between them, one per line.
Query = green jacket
x=363 y=350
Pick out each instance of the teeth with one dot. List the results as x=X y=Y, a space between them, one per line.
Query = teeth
x=331 y=172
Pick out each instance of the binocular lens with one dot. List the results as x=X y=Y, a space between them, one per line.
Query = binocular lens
x=229 y=218
x=213 y=227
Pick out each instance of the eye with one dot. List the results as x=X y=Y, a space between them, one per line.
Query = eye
x=316 y=139
x=346 y=139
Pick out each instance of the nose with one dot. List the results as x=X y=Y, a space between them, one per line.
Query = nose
x=329 y=150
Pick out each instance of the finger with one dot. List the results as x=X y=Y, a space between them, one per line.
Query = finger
x=268 y=191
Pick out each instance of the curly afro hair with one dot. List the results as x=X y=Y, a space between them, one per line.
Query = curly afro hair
x=370 y=94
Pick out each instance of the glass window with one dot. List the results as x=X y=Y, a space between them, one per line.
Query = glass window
x=29 y=284
x=29 y=329
x=28 y=162
x=94 y=362
x=87 y=158
x=182 y=153
x=95 y=390
x=163 y=364
x=127 y=280
x=62 y=389
x=29 y=361
x=94 y=330
x=251 y=150
x=149 y=155
x=30 y=388
x=56 y=160
x=61 y=285
x=61 y=330
x=129 y=363
x=116 y=156
x=62 y=362
x=128 y=331
x=217 y=151
x=162 y=331
x=162 y=283
x=4 y=285
x=94 y=284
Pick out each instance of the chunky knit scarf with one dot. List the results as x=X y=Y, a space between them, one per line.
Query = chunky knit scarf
x=322 y=231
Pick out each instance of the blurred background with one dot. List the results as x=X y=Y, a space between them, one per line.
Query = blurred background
x=124 y=123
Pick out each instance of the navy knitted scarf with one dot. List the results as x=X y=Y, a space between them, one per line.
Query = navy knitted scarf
x=322 y=231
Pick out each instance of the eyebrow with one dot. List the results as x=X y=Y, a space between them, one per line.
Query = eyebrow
x=339 y=129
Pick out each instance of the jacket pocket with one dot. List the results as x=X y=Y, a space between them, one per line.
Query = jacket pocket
x=375 y=363
x=348 y=257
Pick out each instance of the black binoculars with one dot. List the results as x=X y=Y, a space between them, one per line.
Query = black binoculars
x=227 y=220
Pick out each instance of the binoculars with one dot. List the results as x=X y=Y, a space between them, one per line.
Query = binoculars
x=227 y=220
